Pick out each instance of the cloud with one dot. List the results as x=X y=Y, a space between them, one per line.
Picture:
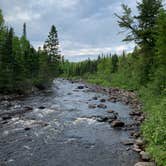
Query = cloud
x=85 y=27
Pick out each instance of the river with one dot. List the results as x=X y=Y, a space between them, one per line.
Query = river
x=62 y=130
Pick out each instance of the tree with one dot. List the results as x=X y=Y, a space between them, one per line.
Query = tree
x=24 y=30
x=51 y=45
x=115 y=61
x=140 y=28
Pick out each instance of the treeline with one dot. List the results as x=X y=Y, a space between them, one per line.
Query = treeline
x=143 y=70
x=21 y=66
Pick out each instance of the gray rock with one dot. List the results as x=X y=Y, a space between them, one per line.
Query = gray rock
x=145 y=156
x=102 y=106
x=117 y=123
x=128 y=142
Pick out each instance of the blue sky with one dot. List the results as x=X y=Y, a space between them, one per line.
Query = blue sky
x=86 y=28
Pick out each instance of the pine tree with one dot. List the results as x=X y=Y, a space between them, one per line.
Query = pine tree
x=51 y=45
x=24 y=30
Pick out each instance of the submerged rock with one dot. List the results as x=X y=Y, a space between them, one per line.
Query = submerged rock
x=92 y=106
x=102 y=106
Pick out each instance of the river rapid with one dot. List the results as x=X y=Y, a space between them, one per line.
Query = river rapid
x=63 y=130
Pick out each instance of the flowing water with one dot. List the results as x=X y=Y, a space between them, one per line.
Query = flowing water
x=65 y=132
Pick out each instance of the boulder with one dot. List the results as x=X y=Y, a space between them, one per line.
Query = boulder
x=27 y=128
x=117 y=123
x=80 y=87
x=139 y=142
x=110 y=111
x=145 y=164
x=102 y=100
x=128 y=142
x=41 y=107
x=145 y=156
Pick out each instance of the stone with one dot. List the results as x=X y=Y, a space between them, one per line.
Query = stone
x=136 y=148
x=6 y=117
x=41 y=107
x=117 y=123
x=92 y=106
x=145 y=156
x=27 y=128
x=145 y=164
x=128 y=142
x=102 y=100
x=135 y=113
x=139 y=142
x=102 y=106
x=80 y=87
x=110 y=111
x=28 y=108
x=94 y=98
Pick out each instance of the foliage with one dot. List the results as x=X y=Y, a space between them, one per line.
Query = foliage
x=21 y=66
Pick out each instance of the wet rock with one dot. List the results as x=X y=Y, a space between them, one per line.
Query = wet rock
x=145 y=156
x=91 y=106
x=135 y=113
x=102 y=106
x=136 y=148
x=139 y=142
x=28 y=108
x=110 y=111
x=80 y=87
x=6 y=117
x=27 y=128
x=102 y=119
x=41 y=107
x=94 y=98
x=108 y=119
x=102 y=100
x=128 y=142
x=117 y=123
x=145 y=164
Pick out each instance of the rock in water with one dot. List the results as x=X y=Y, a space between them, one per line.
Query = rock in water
x=41 y=107
x=117 y=123
x=102 y=106
x=80 y=87
x=91 y=106
x=102 y=100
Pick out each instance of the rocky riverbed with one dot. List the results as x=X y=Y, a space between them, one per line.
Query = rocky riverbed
x=71 y=124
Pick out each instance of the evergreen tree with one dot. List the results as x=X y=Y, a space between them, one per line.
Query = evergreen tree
x=51 y=45
x=24 y=30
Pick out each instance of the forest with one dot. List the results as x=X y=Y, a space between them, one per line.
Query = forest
x=22 y=67
x=143 y=71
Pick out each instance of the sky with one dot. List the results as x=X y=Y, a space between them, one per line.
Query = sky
x=86 y=28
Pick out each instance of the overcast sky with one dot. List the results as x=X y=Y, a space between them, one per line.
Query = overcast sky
x=86 y=28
